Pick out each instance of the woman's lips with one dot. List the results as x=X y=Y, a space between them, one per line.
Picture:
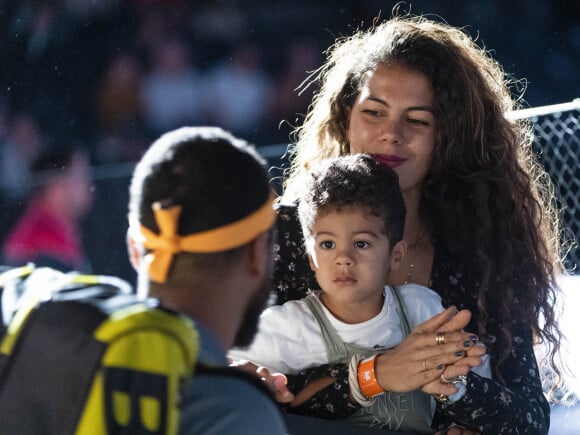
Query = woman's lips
x=389 y=160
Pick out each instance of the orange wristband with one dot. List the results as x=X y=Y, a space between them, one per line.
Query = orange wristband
x=367 y=380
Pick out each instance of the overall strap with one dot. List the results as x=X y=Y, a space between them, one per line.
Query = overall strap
x=335 y=348
x=405 y=324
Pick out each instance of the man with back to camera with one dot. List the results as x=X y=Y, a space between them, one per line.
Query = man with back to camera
x=200 y=237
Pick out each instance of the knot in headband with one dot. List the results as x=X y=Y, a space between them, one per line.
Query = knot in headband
x=168 y=242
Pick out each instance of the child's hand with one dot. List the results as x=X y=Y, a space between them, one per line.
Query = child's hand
x=276 y=382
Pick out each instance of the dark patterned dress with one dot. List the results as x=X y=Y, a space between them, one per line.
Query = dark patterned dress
x=513 y=405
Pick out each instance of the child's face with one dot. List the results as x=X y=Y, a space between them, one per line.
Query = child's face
x=351 y=256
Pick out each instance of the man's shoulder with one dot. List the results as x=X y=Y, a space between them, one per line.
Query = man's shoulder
x=228 y=401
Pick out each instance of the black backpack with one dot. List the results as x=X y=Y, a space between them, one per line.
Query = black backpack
x=81 y=354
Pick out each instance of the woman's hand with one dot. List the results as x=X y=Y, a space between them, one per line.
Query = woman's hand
x=276 y=382
x=461 y=367
x=421 y=358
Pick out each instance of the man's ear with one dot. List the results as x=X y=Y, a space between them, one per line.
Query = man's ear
x=260 y=254
x=133 y=251
x=397 y=254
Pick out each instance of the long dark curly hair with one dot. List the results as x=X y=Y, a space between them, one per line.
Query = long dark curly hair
x=485 y=195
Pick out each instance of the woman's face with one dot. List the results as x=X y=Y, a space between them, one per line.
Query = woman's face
x=393 y=118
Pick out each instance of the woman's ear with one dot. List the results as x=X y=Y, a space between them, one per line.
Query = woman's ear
x=397 y=254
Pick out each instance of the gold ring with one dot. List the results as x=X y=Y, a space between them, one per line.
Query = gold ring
x=440 y=338
x=445 y=380
x=425 y=365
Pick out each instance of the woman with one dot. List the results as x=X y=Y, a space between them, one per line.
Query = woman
x=424 y=99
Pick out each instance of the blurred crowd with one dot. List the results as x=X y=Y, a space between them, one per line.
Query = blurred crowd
x=110 y=76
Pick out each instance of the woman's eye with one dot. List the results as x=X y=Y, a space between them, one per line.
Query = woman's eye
x=419 y=122
x=371 y=112
x=327 y=244
x=361 y=244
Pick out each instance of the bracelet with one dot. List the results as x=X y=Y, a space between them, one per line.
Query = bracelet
x=367 y=380
x=460 y=382
x=355 y=391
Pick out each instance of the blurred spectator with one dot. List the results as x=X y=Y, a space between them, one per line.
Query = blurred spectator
x=171 y=91
x=48 y=233
x=239 y=91
x=118 y=96
x=41 y=47
x=22 y=145
x=122 y=146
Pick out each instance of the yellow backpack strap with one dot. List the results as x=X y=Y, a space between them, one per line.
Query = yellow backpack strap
x=150 y=354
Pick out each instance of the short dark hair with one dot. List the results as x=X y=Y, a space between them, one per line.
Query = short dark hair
x=354 y=180
x=215 y=177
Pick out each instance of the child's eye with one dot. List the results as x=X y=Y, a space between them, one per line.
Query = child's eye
x=327 y=244
x=361 y=244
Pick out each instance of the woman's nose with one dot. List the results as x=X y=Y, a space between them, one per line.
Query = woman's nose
x=391 y=132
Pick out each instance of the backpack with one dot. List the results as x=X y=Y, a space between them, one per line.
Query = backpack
x=81 y=354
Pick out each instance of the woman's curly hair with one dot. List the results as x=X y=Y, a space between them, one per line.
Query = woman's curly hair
x=486 y=195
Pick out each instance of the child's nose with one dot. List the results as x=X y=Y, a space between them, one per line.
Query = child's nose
x=344 y=258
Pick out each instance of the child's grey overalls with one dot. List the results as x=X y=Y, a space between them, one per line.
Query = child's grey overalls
x=396 y=411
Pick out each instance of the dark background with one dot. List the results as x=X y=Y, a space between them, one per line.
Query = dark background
x=56 y=59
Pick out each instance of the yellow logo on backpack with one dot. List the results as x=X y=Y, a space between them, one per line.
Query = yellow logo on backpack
x=150 y=354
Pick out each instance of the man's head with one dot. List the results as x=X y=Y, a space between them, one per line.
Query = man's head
x=200 y=212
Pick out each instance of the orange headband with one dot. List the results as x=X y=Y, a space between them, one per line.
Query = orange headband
x=167 y=243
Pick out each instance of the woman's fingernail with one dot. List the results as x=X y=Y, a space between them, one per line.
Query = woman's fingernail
x=440 y=367
x=459 y=353
x=474 y=338
x=467 y=343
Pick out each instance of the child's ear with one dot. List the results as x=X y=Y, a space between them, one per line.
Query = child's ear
x=311 y=262
x=308 y=248
x=397 y=254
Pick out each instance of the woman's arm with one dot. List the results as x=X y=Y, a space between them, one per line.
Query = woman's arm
x=513 y=401
x=417 y=360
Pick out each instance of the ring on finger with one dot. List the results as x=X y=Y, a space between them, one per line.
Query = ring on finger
x=440 y=338
x=445 y=380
